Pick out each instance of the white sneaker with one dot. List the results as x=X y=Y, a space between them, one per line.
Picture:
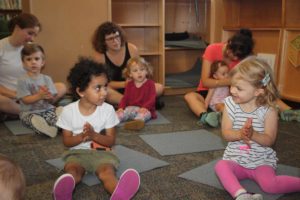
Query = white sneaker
x=40 y=124
x=247 y=196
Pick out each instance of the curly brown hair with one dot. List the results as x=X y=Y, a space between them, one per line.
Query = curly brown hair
x=106 y=28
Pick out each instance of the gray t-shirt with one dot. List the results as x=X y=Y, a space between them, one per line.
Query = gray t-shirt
x=29 y=86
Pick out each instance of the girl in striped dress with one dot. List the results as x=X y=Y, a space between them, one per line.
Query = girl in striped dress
x=249 y=124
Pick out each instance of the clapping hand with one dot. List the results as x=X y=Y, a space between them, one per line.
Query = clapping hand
x=247 y=131
x=88 y=132
x=45 y=93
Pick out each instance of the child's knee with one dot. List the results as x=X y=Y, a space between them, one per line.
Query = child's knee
x=220 y=165
x=105 y=172
x=269 y=186
x=76 y=170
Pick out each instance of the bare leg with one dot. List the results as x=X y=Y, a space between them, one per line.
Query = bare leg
x=159 y=89
x=61 y=90
x=75 y=170
x=106 y=173
x=219 y=107
x=8 y=105
x=195 y=102
x=113 y=96
x=282 y=106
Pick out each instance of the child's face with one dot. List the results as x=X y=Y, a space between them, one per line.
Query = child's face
x=221 y=73
x=113 y=41
x=138 y=73
x=96 y=92
x=242 y=91
x=34 y=63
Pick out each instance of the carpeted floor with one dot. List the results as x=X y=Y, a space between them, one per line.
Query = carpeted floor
x=31 y=151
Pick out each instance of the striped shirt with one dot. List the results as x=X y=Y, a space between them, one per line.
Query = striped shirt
x=237 y=151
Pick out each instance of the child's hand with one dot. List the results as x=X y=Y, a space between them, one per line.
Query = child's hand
x=247 y=131
x=143 y=110
x=120 y=110
x=45 y=93
x=88 y=132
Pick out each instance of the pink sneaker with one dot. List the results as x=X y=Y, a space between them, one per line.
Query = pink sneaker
x=63 y=187
x=128 y=185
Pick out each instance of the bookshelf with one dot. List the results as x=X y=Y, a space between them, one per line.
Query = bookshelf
x=8 y=10
x=146 y=22
x=142 y=21
x=274 y=24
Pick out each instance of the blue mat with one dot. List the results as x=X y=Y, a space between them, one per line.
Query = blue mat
x=184 y=142
x=205 y=174
x=17 y=128
x=128 y=159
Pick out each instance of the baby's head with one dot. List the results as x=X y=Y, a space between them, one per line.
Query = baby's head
x=12 y=180
x=219 y=70
x=135 y=63
x=33 y=57
x=83 y=73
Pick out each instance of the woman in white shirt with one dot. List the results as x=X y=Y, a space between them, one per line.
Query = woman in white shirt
x=24 y=28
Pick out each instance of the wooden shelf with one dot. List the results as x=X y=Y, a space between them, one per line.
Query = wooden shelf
x=142 y=21
x=254 y=13
x=274 y=24
x=138 y=25
x=145 y=23
x=292 y=15
x=136 y=11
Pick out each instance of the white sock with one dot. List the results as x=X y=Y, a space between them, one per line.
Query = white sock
x=239 y=192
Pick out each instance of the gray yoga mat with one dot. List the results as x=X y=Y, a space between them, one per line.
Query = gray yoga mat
x=205 y=174
x=17 y=128
x=184 y=142
x=128 y=159
x=159 y=120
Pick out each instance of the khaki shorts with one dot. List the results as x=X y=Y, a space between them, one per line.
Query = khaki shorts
x=91 y=160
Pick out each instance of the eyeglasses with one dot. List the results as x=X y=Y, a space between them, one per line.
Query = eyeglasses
x=110 y=39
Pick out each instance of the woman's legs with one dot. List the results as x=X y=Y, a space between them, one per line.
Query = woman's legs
x=61 y=90
x=159 y=88
x=195 y=102
x=113 y=96
x=8 y=105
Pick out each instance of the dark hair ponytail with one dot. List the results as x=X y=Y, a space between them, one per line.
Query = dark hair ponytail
x=241 y=44
x=245 y=32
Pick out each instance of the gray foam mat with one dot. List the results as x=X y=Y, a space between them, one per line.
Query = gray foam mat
x=128 y=159
x=205 y=174
x=184 y=142
x=159 y=120
x=17 y=128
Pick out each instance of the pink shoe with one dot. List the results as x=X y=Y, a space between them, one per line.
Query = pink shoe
x=128 y=185
x=63 y=187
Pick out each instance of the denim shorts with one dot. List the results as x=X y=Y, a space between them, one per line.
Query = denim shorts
x=91 y=160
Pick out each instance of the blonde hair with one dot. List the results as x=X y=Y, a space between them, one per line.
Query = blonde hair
x=141 y=62
x=259 y=74
x=12 y=180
